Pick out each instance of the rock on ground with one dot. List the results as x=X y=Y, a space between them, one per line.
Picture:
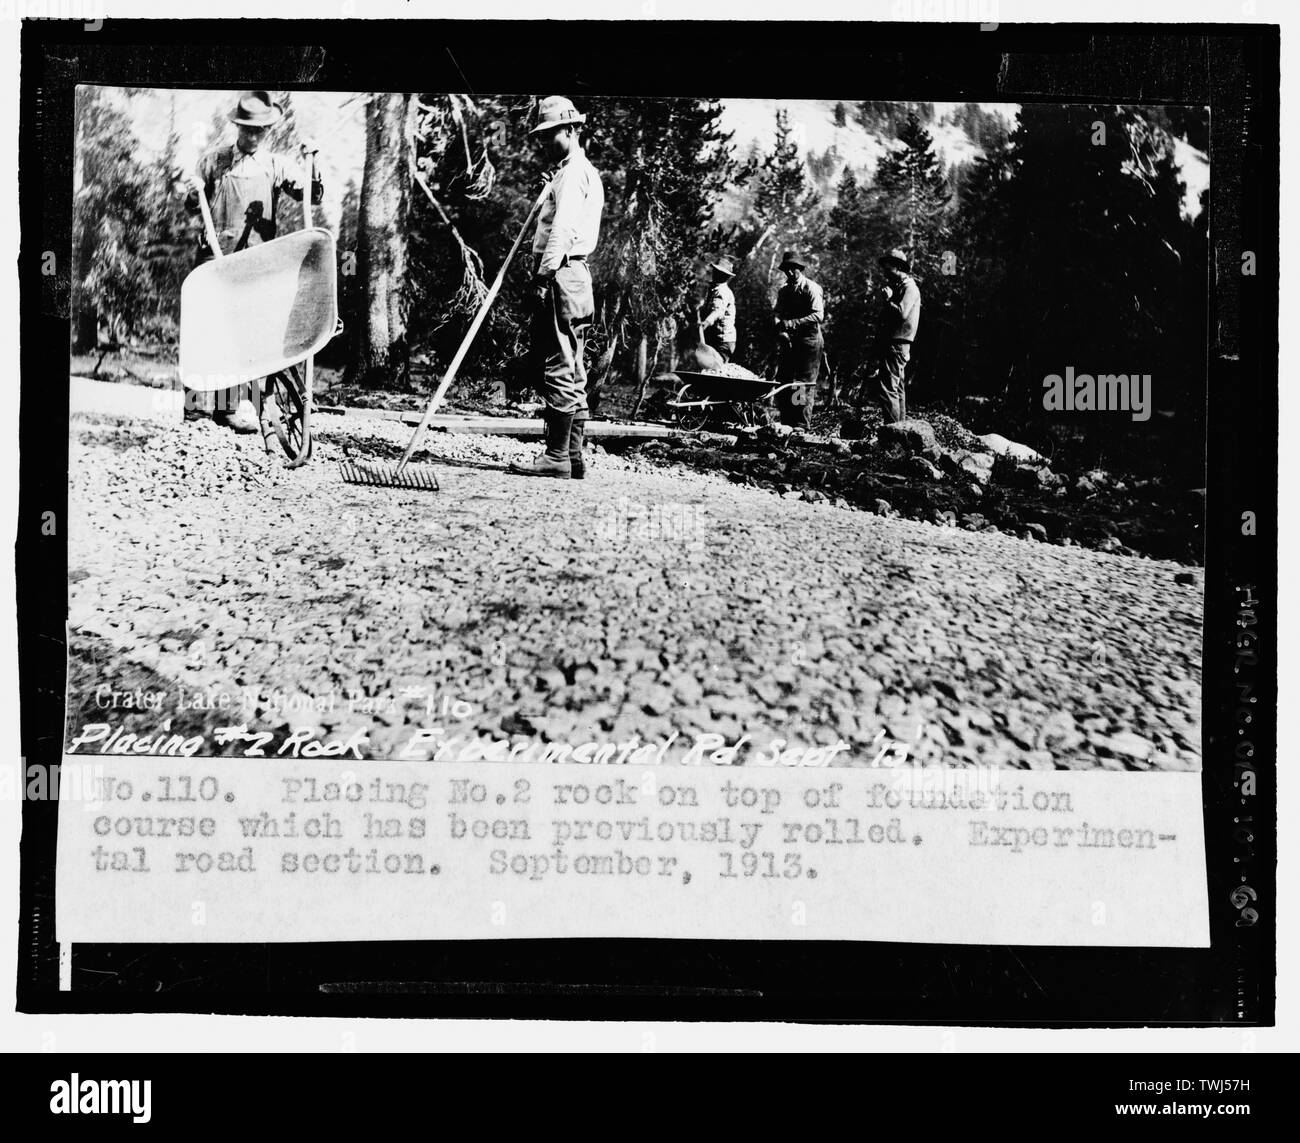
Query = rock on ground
x=1020 y=453
x=640 y=601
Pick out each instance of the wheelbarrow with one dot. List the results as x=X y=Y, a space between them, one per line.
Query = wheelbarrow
x=259 y=316
x=733 y=397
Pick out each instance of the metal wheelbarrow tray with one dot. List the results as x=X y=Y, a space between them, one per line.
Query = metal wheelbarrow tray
x=703 y=395
x=259 y=311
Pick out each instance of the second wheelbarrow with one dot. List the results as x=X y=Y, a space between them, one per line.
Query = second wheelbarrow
x=743 y=398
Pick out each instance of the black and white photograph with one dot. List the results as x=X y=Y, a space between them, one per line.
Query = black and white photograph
x=667 y=519
x=530 y=427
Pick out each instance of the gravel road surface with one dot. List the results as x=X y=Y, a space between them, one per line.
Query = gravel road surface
x=641 y=601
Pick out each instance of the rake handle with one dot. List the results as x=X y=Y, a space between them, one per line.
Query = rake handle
x=450 y=375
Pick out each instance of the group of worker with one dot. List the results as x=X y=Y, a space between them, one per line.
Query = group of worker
x=799 y=314
x=242 y=185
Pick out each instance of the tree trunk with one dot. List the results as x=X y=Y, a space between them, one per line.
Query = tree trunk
x=85 y=329
x=643 y=371
x=642 y=363
x=85 y=319
x=381 y=354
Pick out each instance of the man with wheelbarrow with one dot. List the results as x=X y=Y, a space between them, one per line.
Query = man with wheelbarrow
x=800 y=311
x=899 y=315
x=718 y=314
x=242 y=184
x=568 y=228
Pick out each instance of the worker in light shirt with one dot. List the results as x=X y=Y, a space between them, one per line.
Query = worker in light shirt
x=718 y=314
x=568 y=228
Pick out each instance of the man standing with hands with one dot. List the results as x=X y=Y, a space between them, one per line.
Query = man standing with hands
x=800 y=311
x=568 y=228
x=900 y=314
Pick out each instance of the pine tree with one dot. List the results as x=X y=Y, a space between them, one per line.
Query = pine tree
x=113 y=201
x=1098 y=265
x=821 y=168
x=785 y=214
x=170 y=245
x=847 y=269
x=979 y=243
x=845 y=216
x=912 y=192
x=888 y=119
x=986 y=129
x=908 y=205
x=785 y=192
x=664 y=163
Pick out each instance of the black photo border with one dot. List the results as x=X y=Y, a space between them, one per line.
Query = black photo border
x=1234 y=69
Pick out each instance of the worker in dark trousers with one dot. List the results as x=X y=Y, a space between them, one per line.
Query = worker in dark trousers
x=800 y=311
x=718 y=314
x=896 y=324
x=568 y=228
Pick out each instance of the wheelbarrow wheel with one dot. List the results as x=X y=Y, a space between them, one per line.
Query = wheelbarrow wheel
x=290 y=398
x=696 y=417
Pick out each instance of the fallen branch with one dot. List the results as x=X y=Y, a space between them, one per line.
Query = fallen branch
x=473 y=290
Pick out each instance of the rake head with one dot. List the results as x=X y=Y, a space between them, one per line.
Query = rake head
x=413 y=476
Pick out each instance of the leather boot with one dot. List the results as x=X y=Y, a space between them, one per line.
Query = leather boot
x=555 y=460
x=577 y=465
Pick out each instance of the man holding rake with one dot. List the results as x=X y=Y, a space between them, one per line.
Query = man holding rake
x=567 y=231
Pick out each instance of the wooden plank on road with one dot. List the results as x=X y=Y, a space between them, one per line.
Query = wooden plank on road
x=167 y=404
x=506 y=426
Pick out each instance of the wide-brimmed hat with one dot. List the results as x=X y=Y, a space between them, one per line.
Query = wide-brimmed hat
x=723 y=266
x=791 y=260
x=256 y=109
x=895 y=257
x=556 y=111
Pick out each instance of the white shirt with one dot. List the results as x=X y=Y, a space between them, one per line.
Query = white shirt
x=569 y=222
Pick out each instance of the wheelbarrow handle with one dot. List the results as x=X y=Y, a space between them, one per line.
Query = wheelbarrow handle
x=310 y=156
x=208 y=228
x=790 y=385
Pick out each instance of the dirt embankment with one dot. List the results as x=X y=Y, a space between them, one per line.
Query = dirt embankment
x=937 y=471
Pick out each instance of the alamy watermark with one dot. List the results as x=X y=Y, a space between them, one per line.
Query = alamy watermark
x=1104 y=393
x=90 y=12
x=673 y=522
x=982 y=12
